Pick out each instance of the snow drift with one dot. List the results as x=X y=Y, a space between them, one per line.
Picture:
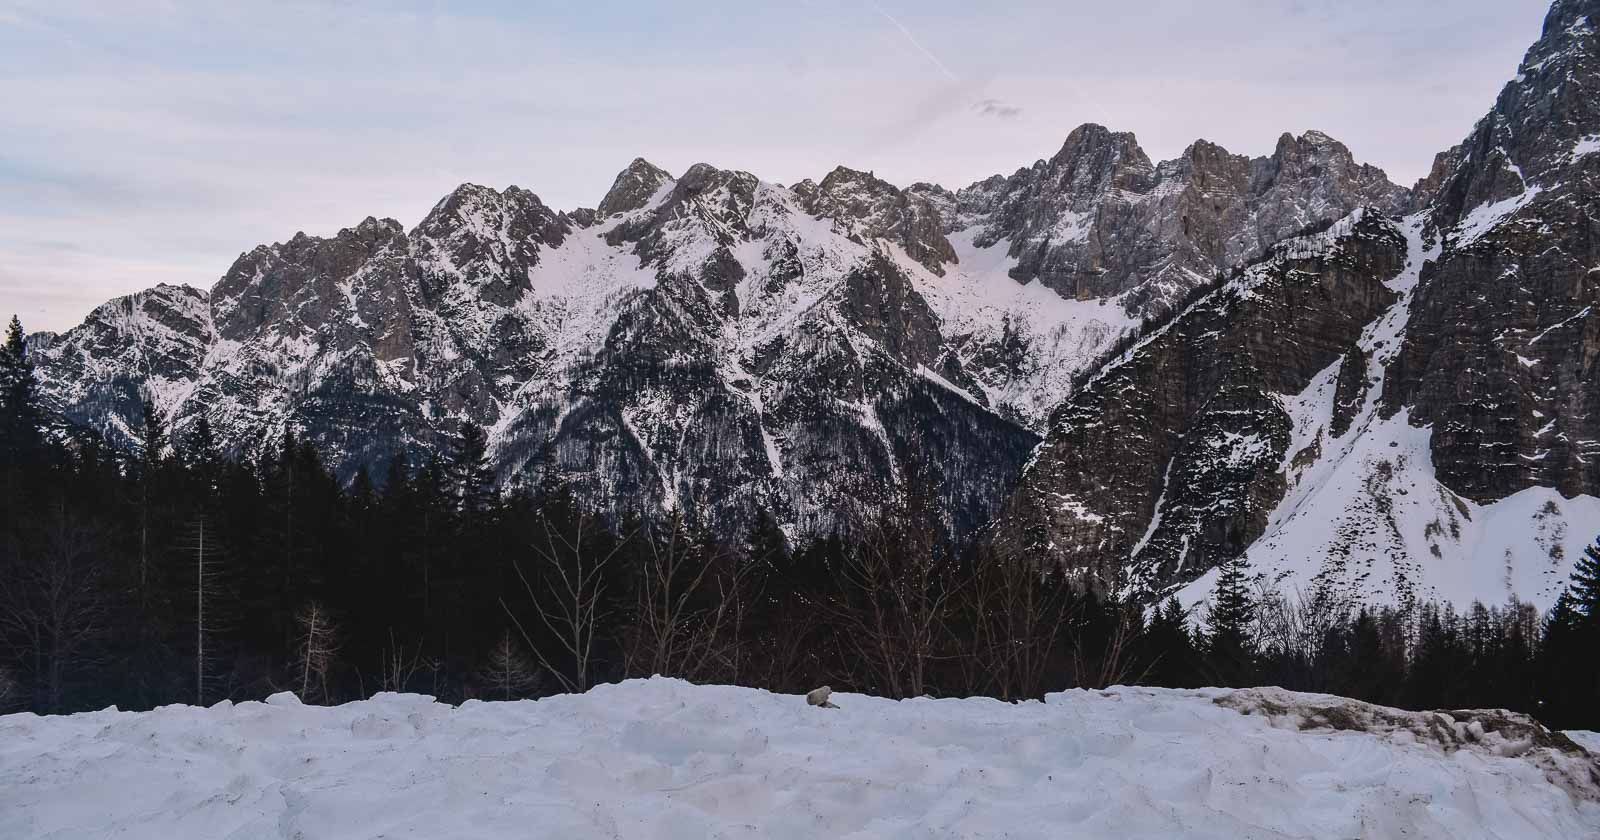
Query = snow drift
x=662 y=758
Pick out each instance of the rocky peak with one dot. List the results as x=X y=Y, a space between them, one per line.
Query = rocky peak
x=485 y=241
x=1314 y=178
x=692 y=230
x=1098 y=220
x=1546 y=118
x=632 y=188
x=1507 y=320
x=1426 y=191
x=1094 y=159
x=725 y=192
x=150 y=344
x=294 y=281
x=868 y=208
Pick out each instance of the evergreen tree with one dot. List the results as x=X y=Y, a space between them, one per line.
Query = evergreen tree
x=1230 y=644
x=1570 y=681
x=19 y=397
x=155 y=433
x=1585 y=585
x=470 y=471
x=1170 y=647
x=204 y=460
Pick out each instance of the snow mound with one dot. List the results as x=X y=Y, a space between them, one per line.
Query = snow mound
x=1486 y=732
x=662 y=758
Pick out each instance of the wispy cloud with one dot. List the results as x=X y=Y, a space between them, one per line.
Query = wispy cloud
x=918 y=44
x=996 y=108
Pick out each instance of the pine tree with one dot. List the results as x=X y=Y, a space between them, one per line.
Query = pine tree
x=155 y=433
x=1230 y=643
x=1170 y=647
x=204 y=460
x=21 y=438
x=1585 y=585
x=470 y=471
x=1564 y=661
x=1570 y=680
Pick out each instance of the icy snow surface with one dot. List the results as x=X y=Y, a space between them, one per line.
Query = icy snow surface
x=662 y=758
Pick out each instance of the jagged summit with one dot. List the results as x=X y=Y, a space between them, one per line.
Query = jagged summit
x=633 y=188
x=1546 y=120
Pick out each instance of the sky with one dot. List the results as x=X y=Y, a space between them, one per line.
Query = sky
x=154 y=141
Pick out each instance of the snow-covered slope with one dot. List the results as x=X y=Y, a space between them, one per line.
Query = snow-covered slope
x=662 y=758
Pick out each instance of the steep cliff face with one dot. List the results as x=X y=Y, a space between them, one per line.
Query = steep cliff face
x=1166 y=463
x=1518 y=405
x=1390 y=409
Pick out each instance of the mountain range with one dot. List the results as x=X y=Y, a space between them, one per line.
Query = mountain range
x=1134 y=369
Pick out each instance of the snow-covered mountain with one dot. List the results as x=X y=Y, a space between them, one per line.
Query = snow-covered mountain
x=1392 y=408
x=712 y=341
x=1390 y=391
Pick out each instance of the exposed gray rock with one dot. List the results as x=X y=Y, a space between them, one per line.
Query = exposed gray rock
x=870 y=208
x=1166 y=463
x=1100 y=220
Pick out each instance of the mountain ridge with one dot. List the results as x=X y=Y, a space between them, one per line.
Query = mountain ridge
x=735 y=349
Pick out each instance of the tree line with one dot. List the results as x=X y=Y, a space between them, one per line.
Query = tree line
x=176 y=575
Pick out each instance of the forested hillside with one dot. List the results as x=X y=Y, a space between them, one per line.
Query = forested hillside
x=182 y=576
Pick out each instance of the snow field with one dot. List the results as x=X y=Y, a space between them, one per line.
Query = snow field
x=662 y=758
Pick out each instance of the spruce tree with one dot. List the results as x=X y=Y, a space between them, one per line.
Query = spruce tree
x=1585 y=585
x=21 y=440
x=1570 y=680
x=155 y=433
x=470 y=471
x=1170 y=647
x=1231 y=616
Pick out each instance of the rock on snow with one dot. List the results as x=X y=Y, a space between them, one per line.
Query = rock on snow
x=662 y=758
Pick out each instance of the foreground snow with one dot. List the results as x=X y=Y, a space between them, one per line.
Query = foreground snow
x=662 y=758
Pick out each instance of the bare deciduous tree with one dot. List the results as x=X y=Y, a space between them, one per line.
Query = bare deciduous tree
x=202 y=546
x=689 y=598
x=1017 y=612
x=53 y=605
x=566 y=586
x=319 y=644
x=1116 y=661
x=396 y=669
x=903 y=582
x=1295 y=632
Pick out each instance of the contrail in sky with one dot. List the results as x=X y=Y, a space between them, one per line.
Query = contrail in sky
x=918 y=44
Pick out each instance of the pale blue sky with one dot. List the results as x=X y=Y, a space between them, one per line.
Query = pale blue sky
x=144 y=141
